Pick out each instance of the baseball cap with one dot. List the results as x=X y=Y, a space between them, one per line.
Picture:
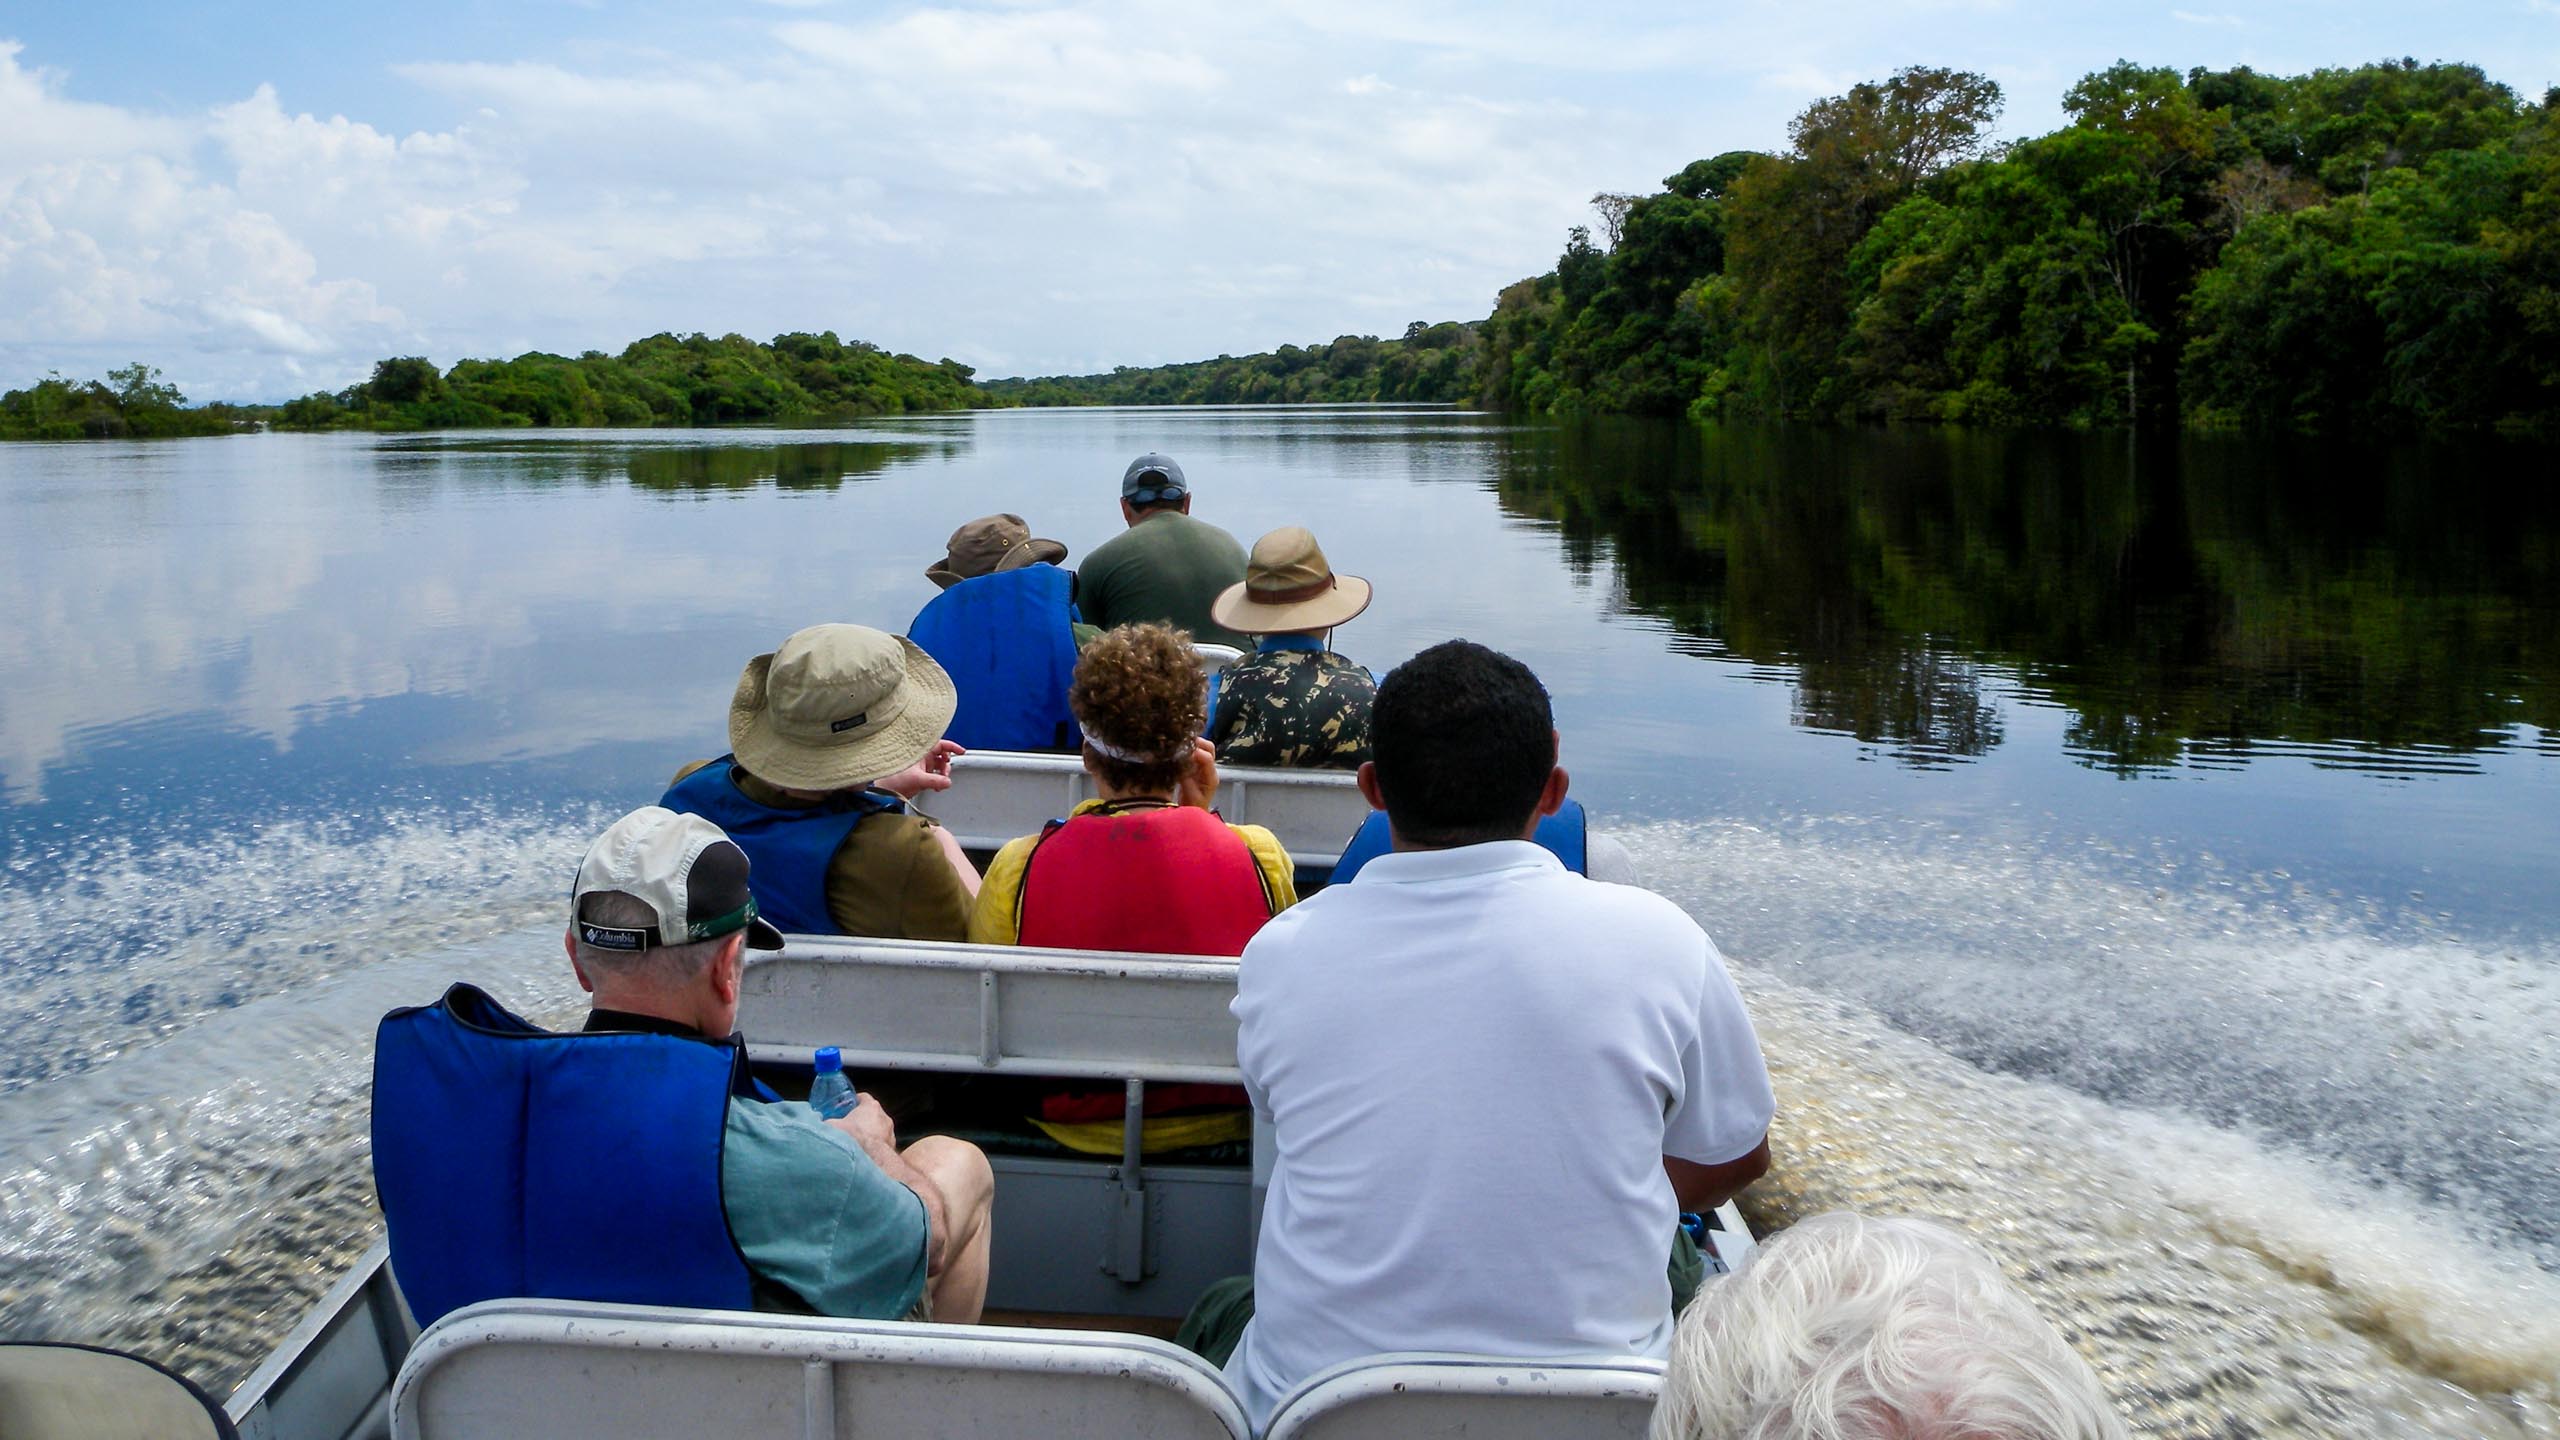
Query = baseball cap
x=680 y=866
x=1152 y=477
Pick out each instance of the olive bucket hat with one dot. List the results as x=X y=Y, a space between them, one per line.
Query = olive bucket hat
x=838 y=706
x=988 y=545
x=1288 y=586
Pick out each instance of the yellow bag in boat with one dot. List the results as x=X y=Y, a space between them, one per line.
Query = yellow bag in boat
x=1162 y=1133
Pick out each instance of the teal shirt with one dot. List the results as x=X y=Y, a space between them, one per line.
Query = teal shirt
x=816 y=1216
x=1168 y=568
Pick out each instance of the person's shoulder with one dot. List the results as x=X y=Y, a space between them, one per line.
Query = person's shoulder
x=1260 y=840
x=887 y=843
x=1630 y=911
x=1218 y=533
x=1254 y=667
x=1337 y=669
x=1013 y=854
x=1106 y=556
x=687 y=772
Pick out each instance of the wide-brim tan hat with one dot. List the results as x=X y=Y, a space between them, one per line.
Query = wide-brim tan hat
x=990 y=545
x=1288 y=586
x=837 y=706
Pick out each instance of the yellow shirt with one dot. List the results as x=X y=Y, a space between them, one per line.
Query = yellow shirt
x=997 y=917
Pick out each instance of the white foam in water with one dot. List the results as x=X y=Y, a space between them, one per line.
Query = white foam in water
x=2196 y=1183
x=2226 y=1280
x=141 y=1138
x=134 y=942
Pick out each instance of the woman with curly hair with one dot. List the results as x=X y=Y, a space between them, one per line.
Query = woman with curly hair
x=1145 y=865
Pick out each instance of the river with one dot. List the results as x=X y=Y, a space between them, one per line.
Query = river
x=2144 y=854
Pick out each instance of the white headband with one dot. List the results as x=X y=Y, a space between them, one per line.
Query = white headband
x=1108 y=750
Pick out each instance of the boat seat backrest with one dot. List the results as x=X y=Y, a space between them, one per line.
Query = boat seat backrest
x=937 y=1005
x=571 y=1371
x=1389 y=1397
x=999 y=796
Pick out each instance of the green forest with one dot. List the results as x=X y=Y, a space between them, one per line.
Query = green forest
x=131 y=403
x=2375 y=248
x=663 y=380
x=1431 y=363
x=2370 y=247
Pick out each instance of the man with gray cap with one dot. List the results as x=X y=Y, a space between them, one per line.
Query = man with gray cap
x=637 y=1160
x=829 y=737
x=1166 y=567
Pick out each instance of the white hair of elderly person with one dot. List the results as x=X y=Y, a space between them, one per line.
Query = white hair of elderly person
x=1851 y=1327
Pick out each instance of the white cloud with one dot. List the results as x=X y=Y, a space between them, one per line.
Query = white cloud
x=1072 y=183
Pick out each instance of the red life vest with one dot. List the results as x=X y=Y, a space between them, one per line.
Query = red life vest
x=1170 y=881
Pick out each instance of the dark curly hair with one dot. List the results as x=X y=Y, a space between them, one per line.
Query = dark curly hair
x=1463 y=738
x=1141 y=689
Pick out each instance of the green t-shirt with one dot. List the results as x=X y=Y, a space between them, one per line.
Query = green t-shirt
x=817 y=1217
x=1167 y=567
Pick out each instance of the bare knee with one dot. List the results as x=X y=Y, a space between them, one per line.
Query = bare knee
x=967 y=1181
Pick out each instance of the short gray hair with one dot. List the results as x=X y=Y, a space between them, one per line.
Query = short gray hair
x=659 y=965
x=1847 y=1327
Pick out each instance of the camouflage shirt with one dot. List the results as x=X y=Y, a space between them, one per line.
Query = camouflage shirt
x=1304 y=709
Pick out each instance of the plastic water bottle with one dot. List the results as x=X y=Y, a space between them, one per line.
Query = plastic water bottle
x=830 y=1093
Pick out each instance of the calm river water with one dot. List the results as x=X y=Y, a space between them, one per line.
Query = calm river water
x=2146 y=857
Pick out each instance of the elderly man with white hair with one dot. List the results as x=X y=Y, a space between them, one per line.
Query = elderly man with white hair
x=1848 y=1327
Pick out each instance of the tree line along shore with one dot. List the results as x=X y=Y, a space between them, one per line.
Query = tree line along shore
x=2366 y=248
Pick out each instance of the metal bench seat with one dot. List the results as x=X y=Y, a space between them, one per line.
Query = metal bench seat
x=572 y=1371
x=1394 y=1397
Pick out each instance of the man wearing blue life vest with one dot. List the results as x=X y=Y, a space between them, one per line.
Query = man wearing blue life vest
x=829 y=737
x=635 y=1161
x=1005 y=630
x=1166 y=568
x=1505 y=1177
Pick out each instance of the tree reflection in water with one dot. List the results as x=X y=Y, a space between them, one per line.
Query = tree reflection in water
x=2187 y=599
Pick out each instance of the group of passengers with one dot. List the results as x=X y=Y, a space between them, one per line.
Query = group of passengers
x=1505 y=1179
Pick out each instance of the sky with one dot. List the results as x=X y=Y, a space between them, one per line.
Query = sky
x=261 y=200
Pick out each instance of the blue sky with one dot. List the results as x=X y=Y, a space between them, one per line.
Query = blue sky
x=264 y=199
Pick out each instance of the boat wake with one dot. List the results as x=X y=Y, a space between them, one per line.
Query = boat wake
x=184 y=1060
x=2279 y=1167
x=2232 y=1141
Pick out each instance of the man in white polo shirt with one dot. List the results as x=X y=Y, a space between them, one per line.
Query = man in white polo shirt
x=1493 y=1083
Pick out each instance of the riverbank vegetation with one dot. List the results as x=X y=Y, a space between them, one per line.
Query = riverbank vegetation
x=131 y=403
x=2350 y=248
x=2367 y=248
x=663 y=380
x=1429 y=363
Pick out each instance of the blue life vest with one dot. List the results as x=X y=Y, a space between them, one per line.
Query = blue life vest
x=514 y=1161
x=1565 y=833
x=1008 y=643
x=787 y=850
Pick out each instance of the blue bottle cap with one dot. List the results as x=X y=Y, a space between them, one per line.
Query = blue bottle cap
x=830 y=1060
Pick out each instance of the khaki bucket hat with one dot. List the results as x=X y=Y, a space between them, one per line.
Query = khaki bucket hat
x=838 y=706
x=1288 y=586
x=989 y=544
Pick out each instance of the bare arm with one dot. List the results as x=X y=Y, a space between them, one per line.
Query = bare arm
x=1704 y=1187
x=959 y=859
x=870 y=1128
